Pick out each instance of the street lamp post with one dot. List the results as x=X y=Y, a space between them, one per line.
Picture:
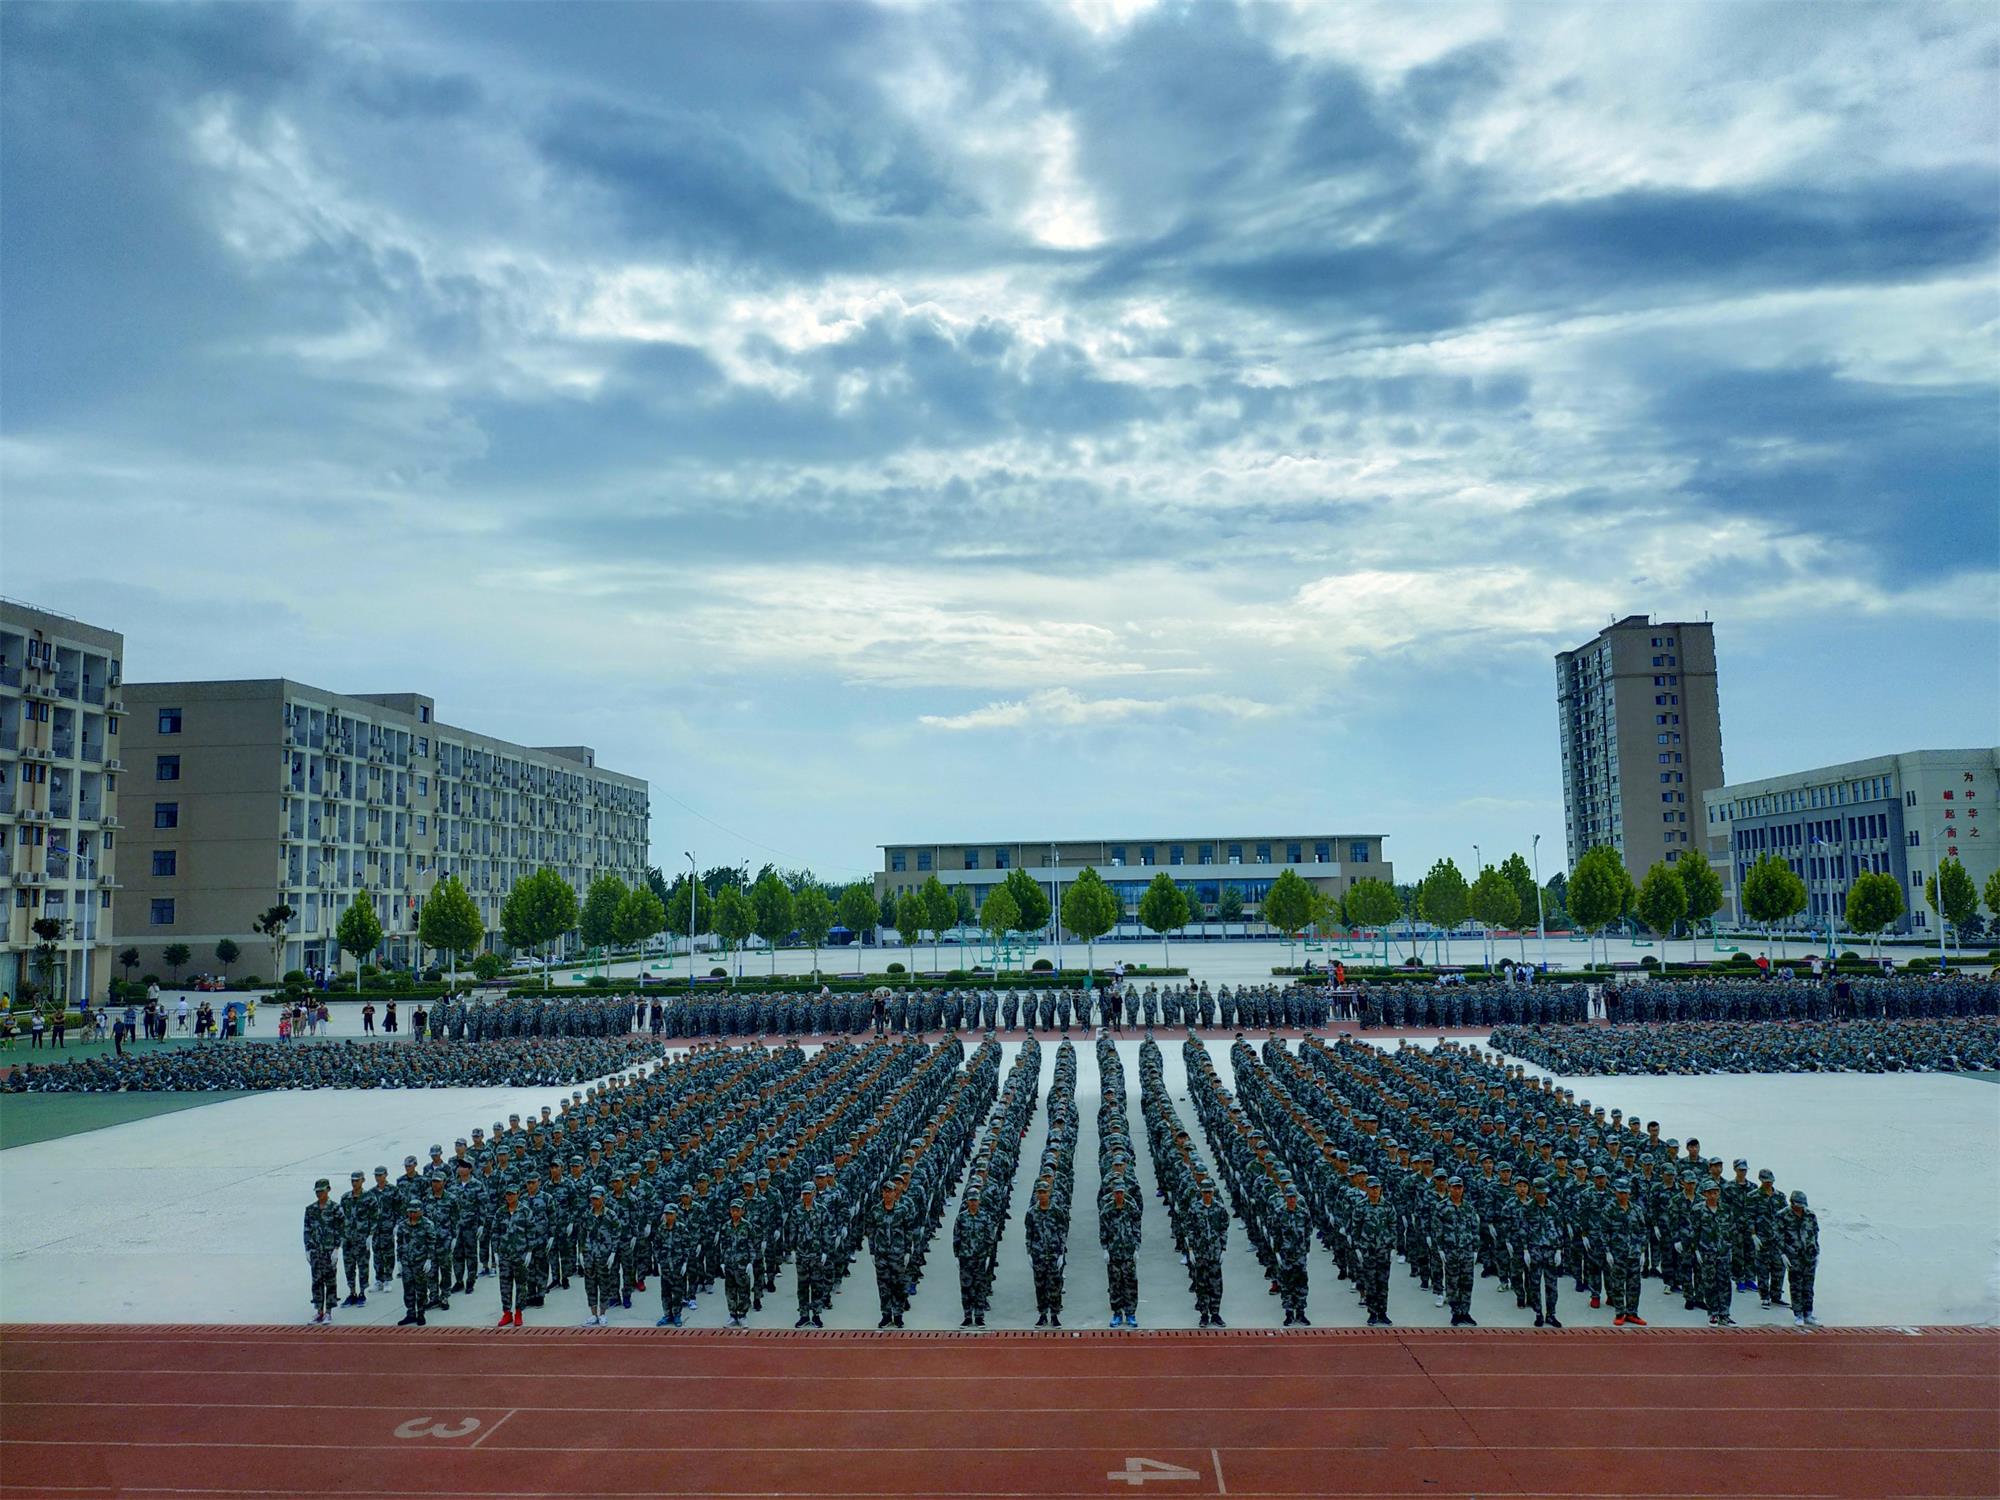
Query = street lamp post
x=692 y=900
x=1055 y=903
x=1541 y=919
x=1482 y=926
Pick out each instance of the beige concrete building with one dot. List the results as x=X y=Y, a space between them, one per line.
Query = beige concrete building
x=1641 y=733
x=264 y=791
x=1200 y=865
x=1890 y=815
x=60 y=718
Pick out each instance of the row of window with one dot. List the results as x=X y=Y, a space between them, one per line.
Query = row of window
x=1805 y=798
x=1205 y=854
x=1816 y=830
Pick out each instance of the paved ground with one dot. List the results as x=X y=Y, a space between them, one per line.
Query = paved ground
x=194 y=1216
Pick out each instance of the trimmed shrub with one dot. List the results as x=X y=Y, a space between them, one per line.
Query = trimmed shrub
x=1042 y=966
x=293 y=976
x=718 y=973
x=896 y=969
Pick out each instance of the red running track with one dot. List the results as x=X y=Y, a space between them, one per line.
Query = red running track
x=299 y=1414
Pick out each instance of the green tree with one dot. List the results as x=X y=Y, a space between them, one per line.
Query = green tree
x=940 y=911
x=1089 y=910
x=812 y=914
x=270 y=925
x=1600 y=892
x=1514 y=869
x=1992 y=892
x=359 y=931
x=1495 y=902
x=1555 y=900
x=1951 y=894
x=1704 y=895
x=486 y=966
x=1662 y=901
x=176 y=955
x=1370 y=902
x=858 y=911
x=1163 y=909
x=679 y=923
x=1229 y=907
x=1030 y=900
x=1772 y=893
x=1443 y=899
x=226 y=953
x=1874 y=903
x=450 y=922
x=128 y=960
x=1288 y=907
x=999 y=915
x=641 y=914
x=910 y=917
x=49 y=932
x=772 y=909
x=966 y=914
x=600 y=910
x=887 y=910
x=735 y=920
x=539 y=910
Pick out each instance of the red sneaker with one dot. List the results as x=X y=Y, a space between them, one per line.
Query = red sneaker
x=506 y=1320
x=1634 y=1318
x=1593 y=1300
x=1619 y=1321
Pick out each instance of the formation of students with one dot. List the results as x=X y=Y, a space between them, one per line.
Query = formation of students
x=1952 y=1045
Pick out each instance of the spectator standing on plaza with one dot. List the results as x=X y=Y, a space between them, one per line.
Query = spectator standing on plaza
x=59 y=1023
x=181 y=1013
x=35 y=1027
x=368 y=1019
x=389 y=1018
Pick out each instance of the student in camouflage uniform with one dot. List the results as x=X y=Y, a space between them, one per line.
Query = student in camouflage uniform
x=1736 y=1209
x=975 y=1242
x=1800 y=1237
x=442 y=1215
x=510 y=1255
x=889 y=1245
x=1715 y=1249
x=385 y=1212
x=1118 y=1228
x=1291 y=1240
x=599 y=1250
x=1623 y=1236
x=1767 y=1212
x=1542 y=1241
x=812 y=1241
x=323 y=1230
x=1207 y=1239
x=1047 y=1231
x=1374 y=1241
x=357 y=1224
x=416 y=1249
x=739 y=1262
x=1458 y=1243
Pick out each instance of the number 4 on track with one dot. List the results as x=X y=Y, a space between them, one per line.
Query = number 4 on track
x=1145 y=1470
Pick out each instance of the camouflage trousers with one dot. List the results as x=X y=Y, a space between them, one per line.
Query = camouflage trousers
x=738 y=1281
x=1048 y=1285
x=813 y=1297
x=385 y=1257
x=1544 y=1283
x=1458 y=1278
x=416 y=1287
x=1374 y=1279
x=514 y=1285
x=1291 y=1286
x=354 y=1260
x=465 y=1257
x=1803 y=1274
x=975 y=1284
x=1207 y=1277
x=325 y=1284
x=1122 y=1278
x=1621 y=1284
x=600 y=1285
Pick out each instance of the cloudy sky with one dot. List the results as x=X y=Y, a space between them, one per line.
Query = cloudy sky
x=1092 y=419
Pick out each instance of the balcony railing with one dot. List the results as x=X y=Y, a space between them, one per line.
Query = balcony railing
x=63 y=746
x=93 y=693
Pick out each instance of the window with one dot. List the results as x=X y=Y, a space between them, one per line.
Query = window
x=423 y=786
x=1236 y=854
x=170 y=721
x=923 y=859
x=1207 y=854
x=1146 y=855
x=166 y=768
x=1176 y=854
x=163 y=861
x=972 y=859
x=423 y=713
x=1294 y=853
x=999 y=859
x=1118 y=854
x=1357 y=852
x=1263 y=854
x=163 y=913
x=896 y=860
x=1323 y=853
x=423 y=824
x=423 y=744
x=166 y=815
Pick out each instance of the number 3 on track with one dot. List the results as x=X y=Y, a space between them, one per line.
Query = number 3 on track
x=1144 y=1470
x=423 y=1427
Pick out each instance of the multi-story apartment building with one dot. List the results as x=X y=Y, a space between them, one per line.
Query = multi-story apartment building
x=257 y=792
x=59 y=766
x=1641 y=734
x=1200 y=865
x=1891 y=814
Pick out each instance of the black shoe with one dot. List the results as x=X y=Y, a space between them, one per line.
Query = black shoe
x=887 y=1319
x=966 y=1321
x=816 y=1321
x=408 y=1320
x=421 y=1322
x=1042 y=1321
x=802 y=1322
x=1470 y=1321
x=1554 y=1321
x=1304 y=1321
x=899 y=1320
x=979 y=1320
x=1539 y=1320
x=1217 y=1321
x=1290 y=1319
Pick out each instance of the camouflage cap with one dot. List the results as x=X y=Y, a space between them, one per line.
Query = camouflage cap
x=356 y=1176
x=1765 y=1174
x=322 y=1186
x=1622 y=1185
x=409 y=1161
x=1457 y=1182
x=381 y=1171
x=1798 y=1197
x=1741 y=1165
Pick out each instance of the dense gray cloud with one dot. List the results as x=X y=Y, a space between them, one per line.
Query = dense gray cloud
x=1081 y=404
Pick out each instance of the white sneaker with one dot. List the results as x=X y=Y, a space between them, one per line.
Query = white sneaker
x=1438 y=1301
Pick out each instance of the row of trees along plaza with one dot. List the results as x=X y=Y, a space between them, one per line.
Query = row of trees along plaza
x=782 y=907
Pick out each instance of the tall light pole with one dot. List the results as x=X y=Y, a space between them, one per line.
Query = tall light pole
x=1055 y=903
x=692 y=900
x=1482 y=925
x=1828 y=878
x=1541 y=919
